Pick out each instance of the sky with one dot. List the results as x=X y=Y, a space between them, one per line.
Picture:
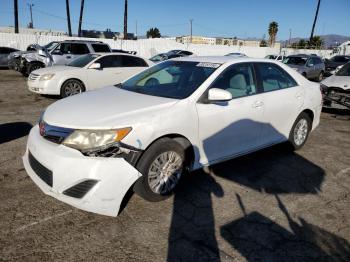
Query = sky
x=229 y=18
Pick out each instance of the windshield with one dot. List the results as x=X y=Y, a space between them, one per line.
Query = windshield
x=344 y=71
x=50 y=46
x=158 y=58
x=295 y=60
x=171 y=79
x=83 y=60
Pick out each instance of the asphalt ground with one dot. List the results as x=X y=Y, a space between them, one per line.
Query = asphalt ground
x=272 y=205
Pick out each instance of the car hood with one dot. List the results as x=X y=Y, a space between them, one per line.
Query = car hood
x=106 y=108
x=337 y=81
x=55 y=69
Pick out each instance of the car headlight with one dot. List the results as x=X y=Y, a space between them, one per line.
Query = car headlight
x=91 y=139
x=46 y=77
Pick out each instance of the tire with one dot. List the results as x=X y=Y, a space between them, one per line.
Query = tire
x=320 y=76
x=33 y=66
x=71 y=87
x=151 y=185
x=299 y=132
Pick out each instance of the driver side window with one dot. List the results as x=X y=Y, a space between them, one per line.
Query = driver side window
x=238 y=79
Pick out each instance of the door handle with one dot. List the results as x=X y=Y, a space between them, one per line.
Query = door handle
x=257 y=104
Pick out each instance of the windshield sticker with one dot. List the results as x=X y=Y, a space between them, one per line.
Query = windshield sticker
x=211 y=65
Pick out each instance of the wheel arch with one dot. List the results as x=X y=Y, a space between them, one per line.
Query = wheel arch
x=190 y=152
x=72 y=78
x=310 y=113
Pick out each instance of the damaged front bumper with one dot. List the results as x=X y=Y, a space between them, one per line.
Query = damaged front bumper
x=95 y=183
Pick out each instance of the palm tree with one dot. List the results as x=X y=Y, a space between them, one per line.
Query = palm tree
x=15 y=2
x=273 y=29
x=313 y=25
x=126 y=20
x=81 y=17
x=68 y=18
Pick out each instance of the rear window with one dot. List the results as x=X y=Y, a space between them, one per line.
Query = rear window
x=132 y=61
x=295 y=60
x=79 y=49
x=101 y=48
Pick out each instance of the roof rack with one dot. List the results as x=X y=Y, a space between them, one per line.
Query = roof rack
x=85 y=41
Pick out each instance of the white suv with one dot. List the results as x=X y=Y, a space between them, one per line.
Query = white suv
x=178 y=115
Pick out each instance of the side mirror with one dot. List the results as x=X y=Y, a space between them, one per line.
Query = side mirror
x=95 y=66
x=218 y=95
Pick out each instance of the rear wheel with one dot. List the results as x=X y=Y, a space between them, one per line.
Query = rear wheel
x=300 y=131
x=161 y=166
x=71 y=87
x=320 y=76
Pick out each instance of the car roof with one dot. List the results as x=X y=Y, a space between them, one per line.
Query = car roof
x=220 y=59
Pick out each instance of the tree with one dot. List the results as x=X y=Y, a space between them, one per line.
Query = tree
x=15 y=2
x=273 y=29
x=81 y=17
x=263 y=43
x=302 y=44
x=316 y=42
x=153 y=33
x=126 y=19
x=313 y=25
x=68 y=18
x=226 y=42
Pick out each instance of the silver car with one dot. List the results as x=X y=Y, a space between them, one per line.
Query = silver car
x=310 y=66
x=4 y=55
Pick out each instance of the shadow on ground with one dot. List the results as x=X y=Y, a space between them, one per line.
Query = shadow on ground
x=275 y=171
x=12 y=131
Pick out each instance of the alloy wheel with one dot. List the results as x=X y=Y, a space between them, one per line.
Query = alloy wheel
x=165 y=172
x=300 y=131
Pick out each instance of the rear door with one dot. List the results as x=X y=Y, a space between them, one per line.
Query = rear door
x=283 y=99
x=66 y=52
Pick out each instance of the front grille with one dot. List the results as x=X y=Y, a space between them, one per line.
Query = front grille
x=33 y=77
x=81 y=189
x=54 y=134
x=41 y=171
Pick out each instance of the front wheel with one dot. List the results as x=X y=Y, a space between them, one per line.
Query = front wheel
x=300 y=131
x=71 y=87
x=161 y=166
x=33 y=66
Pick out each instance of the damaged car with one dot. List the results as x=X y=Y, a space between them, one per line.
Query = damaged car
x=336 y=89
x=59 y=53
x=180 y=115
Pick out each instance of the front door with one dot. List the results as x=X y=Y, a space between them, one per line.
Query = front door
x=231 y=128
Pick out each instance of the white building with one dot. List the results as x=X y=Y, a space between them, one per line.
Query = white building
x=31 y=31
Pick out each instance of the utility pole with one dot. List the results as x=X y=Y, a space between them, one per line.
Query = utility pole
x=81 y=17
x=136 y=29
x=15 y=2
x=313 y=25
x=31 y=25
x=68 y=18
x=290 y=37
x=191 y=21
x=126 y=20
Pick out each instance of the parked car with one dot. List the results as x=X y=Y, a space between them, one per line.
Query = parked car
x=169 y=55
x=276 y=57
x=89 y=149
x=4 y=55
x=61 y=54
x=124 y=51
x=88 y=72
x=336 y=88
x=334 y=62
x=236 y=54
x=310 y=66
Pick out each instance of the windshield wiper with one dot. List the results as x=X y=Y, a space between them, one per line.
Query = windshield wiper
x=119 y=85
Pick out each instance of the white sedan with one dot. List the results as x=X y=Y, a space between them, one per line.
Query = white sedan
x=86 y=73
x=177 y=116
